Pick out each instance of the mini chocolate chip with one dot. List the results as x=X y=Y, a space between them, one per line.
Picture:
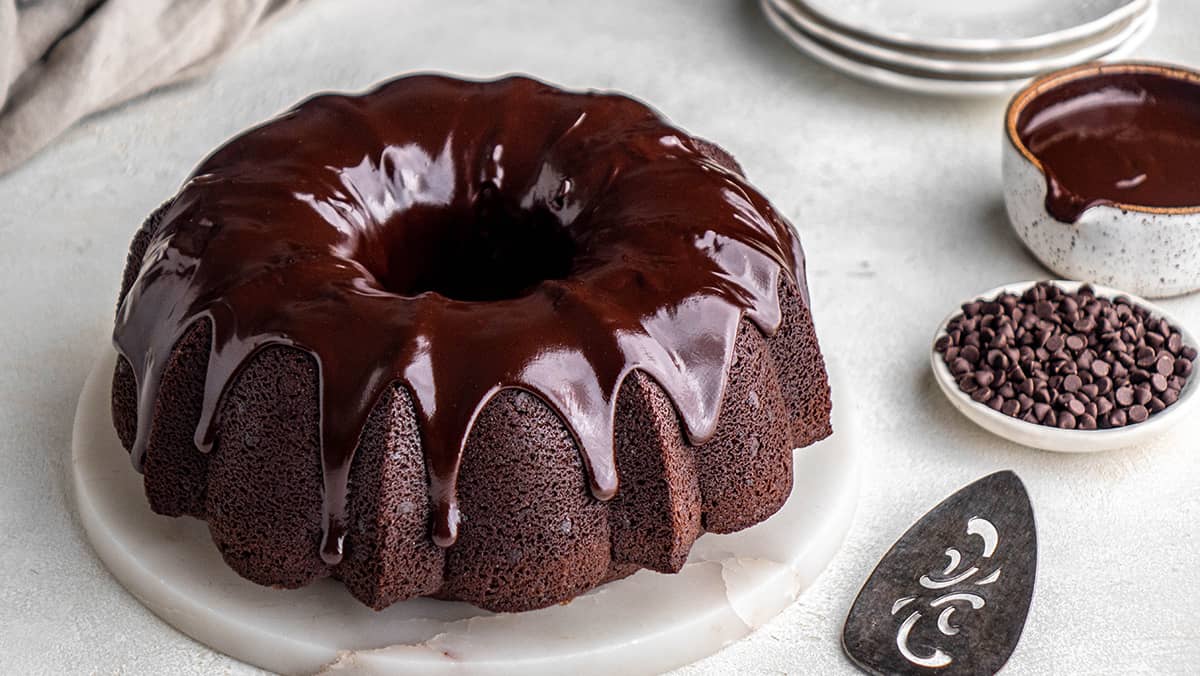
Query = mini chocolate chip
x=1085 y=360
x=970 y=352
x=943 y=343
x=1040 y=410
x=1066 y=420
x=1091 y=390
x=982 y=394
x=1076 y=407
x=967 y=383
x=1175 y=343
x=1142 y=394
x=995 y=402
x=1117 y=418
x=1072 y=383
x=1145 y=356
x=1010 y=408
x=1101 y=368
x=1055 y=343
x=1183 y=367
x=1076 y=342
x=1170 y=396
x=1125 y=395
x=1087 y=422
x=1156 y=405
x=985 y=378
x=1138 y=413
x=1158 y=382
x=1188 y=352
x=997 y=359
x=1013 y=354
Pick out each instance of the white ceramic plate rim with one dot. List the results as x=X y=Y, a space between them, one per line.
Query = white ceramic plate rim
x=970 y=65
x=1060 y=440
x=880 y=74
x=978 y=45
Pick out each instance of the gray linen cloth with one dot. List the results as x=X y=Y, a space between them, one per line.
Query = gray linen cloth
x=63 y=59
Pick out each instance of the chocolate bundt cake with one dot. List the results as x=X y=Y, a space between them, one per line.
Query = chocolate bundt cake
x=486 y=341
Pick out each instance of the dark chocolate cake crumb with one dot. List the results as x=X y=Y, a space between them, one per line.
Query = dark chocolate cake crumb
x=1069 y=360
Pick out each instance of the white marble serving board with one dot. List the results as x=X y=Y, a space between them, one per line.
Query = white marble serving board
x=646 y=623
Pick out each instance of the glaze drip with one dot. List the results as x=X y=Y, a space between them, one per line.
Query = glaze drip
x=461 y=238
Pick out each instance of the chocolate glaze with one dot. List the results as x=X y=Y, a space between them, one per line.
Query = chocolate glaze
x=461 y=238
x=1116 y=138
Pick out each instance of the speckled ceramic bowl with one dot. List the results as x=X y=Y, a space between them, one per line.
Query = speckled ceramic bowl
x=1149 y=251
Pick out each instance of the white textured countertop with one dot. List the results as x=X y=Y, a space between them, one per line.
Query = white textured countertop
x=897 y=198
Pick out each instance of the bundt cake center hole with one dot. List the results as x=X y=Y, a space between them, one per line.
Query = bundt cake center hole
x=494 y=250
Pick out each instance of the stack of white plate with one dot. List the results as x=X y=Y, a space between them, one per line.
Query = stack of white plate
x=961 y=47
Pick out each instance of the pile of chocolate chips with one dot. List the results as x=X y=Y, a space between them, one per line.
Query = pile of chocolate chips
x=1068 y=360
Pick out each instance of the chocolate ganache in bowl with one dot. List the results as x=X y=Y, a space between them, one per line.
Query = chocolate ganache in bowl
x=1101 y=178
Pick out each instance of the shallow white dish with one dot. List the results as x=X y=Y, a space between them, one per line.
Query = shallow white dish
x=646 y=623
x=972 y=26
x=1026 y=64
x=879 y=73
x=1053 y=438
